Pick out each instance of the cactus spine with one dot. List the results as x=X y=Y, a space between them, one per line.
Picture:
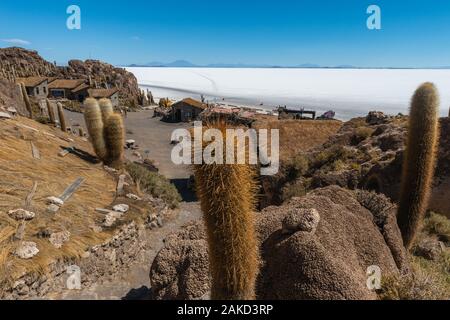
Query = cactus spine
x=94 y=124
x=115 y=141
x=26 y=99
x=51 y=112
x=419 y=161
x=227 y=196
x=106 y=108
x=62 y=118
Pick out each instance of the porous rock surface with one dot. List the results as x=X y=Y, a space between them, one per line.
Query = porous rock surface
x=327 y=261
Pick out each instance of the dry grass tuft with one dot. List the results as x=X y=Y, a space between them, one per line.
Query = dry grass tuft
x=427 y=281
x=439 y=225
x=299 y=135
x=53 y=174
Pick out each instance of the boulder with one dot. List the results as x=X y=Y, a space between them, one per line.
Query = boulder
x=305 y=220
x=55 y=200
x=123 y=208
x=26 y=250
x=315 y=247
x=21 y=214
x=376 y=117
x=57 y=239
x=133 y=197
x=111 y=218
x=180 y=271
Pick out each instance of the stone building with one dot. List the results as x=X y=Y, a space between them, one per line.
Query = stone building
x=187 y=110
x=112 y=94
x=64 y=89
x=36 y=87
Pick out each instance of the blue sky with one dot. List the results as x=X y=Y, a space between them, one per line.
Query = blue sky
x=282 y=32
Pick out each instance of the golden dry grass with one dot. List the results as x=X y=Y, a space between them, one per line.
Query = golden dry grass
x=53 y=174
x=299 y=135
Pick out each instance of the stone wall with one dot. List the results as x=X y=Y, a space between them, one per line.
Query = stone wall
x=97 y=263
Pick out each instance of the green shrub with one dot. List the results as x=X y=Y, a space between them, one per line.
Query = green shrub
x=155 y=184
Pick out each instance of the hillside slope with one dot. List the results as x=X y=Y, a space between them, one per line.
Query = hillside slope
x=77 y=233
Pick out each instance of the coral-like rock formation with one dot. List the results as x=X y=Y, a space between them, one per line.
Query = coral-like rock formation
x=18 y=62
x=366 y=153
x=325 y=257
x=104 y=75
x=181 y=271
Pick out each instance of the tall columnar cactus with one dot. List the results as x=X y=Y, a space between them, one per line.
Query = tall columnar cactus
x=106 y=108
x=62 y=118
x=51 y=112
x=94 y=124
x=26 y=99
x=227 y=196
x=115 y=141
x=419 y=160
x=150 y=97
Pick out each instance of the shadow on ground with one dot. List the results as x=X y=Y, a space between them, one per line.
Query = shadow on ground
x=182 y=185
x=83 y=155
x=142 y=293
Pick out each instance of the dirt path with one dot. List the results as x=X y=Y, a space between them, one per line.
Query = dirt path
x=153 y=137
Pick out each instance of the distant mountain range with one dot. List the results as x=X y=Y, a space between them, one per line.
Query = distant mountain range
x=187 y=64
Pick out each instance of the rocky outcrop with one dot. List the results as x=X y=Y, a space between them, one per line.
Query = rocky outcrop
x=388 y=141
x=18 y=62
x=315 y=247
x=366 y=153
x=104 y=75
x=180 y=271
x=11 y=97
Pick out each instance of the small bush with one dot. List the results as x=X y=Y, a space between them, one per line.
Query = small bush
x=298 y=188
x=155 y=184
x=361 y=134
x=298 y=167
x=355 y=166
x=438 y=225
x=330 y=155
x=42 y=119
x=419 y=285
x=428 y=279
x=165 y=103
x=338 y=165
